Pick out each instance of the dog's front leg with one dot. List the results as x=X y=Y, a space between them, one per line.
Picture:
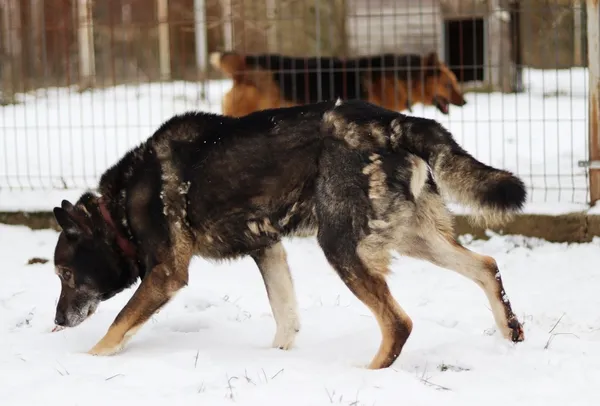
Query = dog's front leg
x=155 y=291
x=272 y=262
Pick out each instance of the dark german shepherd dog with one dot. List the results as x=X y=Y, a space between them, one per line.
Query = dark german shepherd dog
x=355 y=174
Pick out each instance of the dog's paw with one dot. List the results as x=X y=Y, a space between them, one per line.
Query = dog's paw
x=103 y=349
x=515 y=330
x=284 y=341
x=285 y=337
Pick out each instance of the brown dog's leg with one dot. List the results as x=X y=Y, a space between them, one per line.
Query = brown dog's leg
x=157 y=288
x=272 y=262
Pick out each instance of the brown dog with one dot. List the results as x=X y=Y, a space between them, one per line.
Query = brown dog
x=395 y=82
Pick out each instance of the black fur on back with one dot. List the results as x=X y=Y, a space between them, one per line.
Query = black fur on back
x=311 y=80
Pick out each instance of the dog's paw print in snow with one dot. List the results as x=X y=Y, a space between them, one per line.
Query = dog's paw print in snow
x=197 y=304
x=187 y=317
x=24 y=320
x=186 y=325
x=453 y=368
x=504 y=244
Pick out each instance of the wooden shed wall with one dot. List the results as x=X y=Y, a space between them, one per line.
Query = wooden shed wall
x=400 y=26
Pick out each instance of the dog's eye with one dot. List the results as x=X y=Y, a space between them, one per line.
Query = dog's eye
x=66 y=275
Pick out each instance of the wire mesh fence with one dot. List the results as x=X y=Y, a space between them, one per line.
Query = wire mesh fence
x=83 y=81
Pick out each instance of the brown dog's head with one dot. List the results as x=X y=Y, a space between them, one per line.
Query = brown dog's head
x=441 y=86
x=88 y=262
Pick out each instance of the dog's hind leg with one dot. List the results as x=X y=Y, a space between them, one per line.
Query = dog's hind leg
x=368 y=284
x=433 y=240
x=483 y=270
x=342 y=208
x=372 y=289
x=272 y=262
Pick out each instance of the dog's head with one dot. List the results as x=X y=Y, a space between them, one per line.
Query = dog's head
x=88 y=262
x=441 y=85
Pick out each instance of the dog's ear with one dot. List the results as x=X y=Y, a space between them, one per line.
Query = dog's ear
x=67 y=206
x=68 y=221
x=432 y=59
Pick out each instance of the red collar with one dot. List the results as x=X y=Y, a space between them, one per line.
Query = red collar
x=123 y=242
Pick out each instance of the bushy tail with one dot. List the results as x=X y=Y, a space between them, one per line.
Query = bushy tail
x=493 y=195
x=230 y=63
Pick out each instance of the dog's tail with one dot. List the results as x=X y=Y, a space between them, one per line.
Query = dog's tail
x=230 y=63
x=493 y=195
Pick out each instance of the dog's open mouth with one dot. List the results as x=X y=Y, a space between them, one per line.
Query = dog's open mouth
x=442 y=104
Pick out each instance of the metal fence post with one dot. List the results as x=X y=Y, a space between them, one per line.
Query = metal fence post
x=593 y=35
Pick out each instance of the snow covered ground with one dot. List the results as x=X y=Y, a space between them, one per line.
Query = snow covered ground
x=211 y=344
x=58 y=138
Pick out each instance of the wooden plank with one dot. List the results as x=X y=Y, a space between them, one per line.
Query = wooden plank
x=593 y=35
x=415 y=16
x=377 y=29
x=577 y=32
x=377 y=6
x=36 y=18
x=201 y=32
x=164 y=51
x=12 y=72
x=400 y=22
x=85 y=37
x=227 y=25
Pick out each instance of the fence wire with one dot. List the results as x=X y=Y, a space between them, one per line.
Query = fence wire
x=83 y=81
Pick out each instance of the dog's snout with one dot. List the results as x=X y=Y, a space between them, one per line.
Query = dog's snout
x=60 y=319
x=457 y=99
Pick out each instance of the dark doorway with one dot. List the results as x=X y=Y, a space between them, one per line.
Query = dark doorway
x=464 y=48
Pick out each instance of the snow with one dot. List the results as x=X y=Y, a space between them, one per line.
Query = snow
x=61 y=139
x=211 y=344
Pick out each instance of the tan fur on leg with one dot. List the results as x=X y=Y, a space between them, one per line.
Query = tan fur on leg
x=393 y=321
x=275 y=271
x=433 y=241
x=484 y=272
x=154 y=292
